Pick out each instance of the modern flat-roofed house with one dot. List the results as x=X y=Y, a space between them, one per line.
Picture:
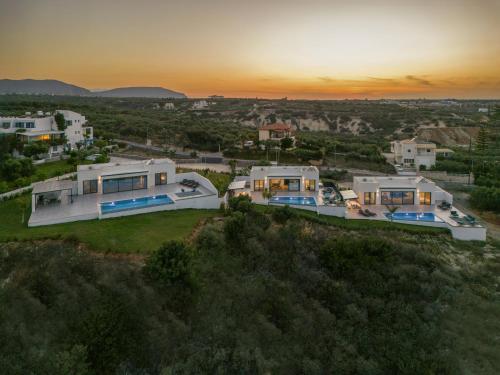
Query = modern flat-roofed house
x=42 y=127
x=275 y=132
x=284 y=178
x=399 y=191
x=119 y=189
x=412 y=153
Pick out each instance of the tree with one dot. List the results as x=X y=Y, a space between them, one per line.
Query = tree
x=267 y=194
x=35 y=148
x=392 y=210
x=170 y=264
x=286 y=143
x=482 y=139
x=60 y=121
x=232 y=164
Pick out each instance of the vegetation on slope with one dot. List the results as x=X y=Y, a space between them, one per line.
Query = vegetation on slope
x=253 y=294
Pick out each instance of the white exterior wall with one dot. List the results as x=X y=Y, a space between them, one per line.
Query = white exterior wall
x=302 y=172
x=377 y=185
x=412 y=150
x=41 y=124
x=125 y=170
x=75 y=133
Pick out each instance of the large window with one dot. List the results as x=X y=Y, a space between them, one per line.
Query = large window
x=6 y=125
x=284 y=184
x=20 y=125
x=425 y=198
x=124 y=184
x=370 y=197
x=258 y=185
x=161 y=178
x=310 y=185
x=397 y=197
x=89 y=186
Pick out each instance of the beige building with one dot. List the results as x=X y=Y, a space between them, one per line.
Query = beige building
x=412 y=153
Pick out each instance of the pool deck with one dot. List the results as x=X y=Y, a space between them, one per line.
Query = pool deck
x=86 y=207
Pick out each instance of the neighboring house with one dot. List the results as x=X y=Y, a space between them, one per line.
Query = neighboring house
x=118 y=189
x=275 y=132
x=399 y=191
x=201 y=104
x=412 y=153
x=483 y=110
x=284 y=178
x=42 y=127
x=444 y=152
x=169 y=106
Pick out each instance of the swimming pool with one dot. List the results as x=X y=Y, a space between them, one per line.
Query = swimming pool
x=414 y=216
x=132 y=204
x=297 y=201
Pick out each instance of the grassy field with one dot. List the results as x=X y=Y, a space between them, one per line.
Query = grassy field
x=55 y=168
x=131 y=234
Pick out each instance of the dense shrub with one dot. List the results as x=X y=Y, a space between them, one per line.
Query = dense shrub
x=486 y=198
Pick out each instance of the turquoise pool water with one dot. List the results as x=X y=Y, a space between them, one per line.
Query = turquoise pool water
x=132 y=204
x=297 y=201
x=414 y=216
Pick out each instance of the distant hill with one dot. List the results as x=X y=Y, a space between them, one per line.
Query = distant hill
x=43 y=86
x=140 y=92
x=54 y=87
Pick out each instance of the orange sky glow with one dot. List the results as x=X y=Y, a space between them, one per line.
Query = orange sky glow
x=299 y=49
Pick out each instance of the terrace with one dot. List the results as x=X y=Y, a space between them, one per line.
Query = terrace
x=87 y=207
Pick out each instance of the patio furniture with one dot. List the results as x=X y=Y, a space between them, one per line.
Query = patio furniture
x=470 y=219
x=363 y=213
x=444 y=205
x=453 y=214
x=370 y=213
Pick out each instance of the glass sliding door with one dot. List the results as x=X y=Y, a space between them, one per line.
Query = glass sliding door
x=398 y=198
x=284 y=184
x=425 y=198
x=115 y=185
x=370 y=198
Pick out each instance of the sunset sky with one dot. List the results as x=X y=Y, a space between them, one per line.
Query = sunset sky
x=300 y=49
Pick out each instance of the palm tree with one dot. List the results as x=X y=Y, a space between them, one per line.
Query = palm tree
x=267 y=194
x=392 y=210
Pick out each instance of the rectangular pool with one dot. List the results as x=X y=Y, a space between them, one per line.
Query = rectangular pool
x=297 y=201
x=414 y=216
x=133 y=204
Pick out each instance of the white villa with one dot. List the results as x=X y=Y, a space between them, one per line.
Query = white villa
x=412 y=153
x=419 y=201
x=200 y=104
x=399 y=190
x=284 y=178
x=43 y=127
x=118 y=189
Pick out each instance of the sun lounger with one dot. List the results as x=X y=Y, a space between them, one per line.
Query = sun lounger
x=369 y=213
x=361 y=212
x=470 y=219
x=453 y=214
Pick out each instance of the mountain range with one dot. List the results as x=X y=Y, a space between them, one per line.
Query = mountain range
x=55 y=87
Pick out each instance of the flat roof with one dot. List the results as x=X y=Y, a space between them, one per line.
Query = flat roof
x=49 y=186
x=393 y=181
x=285 y=169
x=348 y=194
x=87 y=167
x=237 y=185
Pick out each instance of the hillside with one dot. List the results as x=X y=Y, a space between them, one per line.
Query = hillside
x=140 y=92
x=45 y=86
x=54 y=87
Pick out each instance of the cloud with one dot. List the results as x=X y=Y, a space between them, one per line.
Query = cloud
x=419 y=80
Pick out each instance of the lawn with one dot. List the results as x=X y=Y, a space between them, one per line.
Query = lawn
x=55 y=168
x=130 y=234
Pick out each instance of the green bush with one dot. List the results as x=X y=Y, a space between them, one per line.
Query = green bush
x=486 y=198
x=283 y=214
